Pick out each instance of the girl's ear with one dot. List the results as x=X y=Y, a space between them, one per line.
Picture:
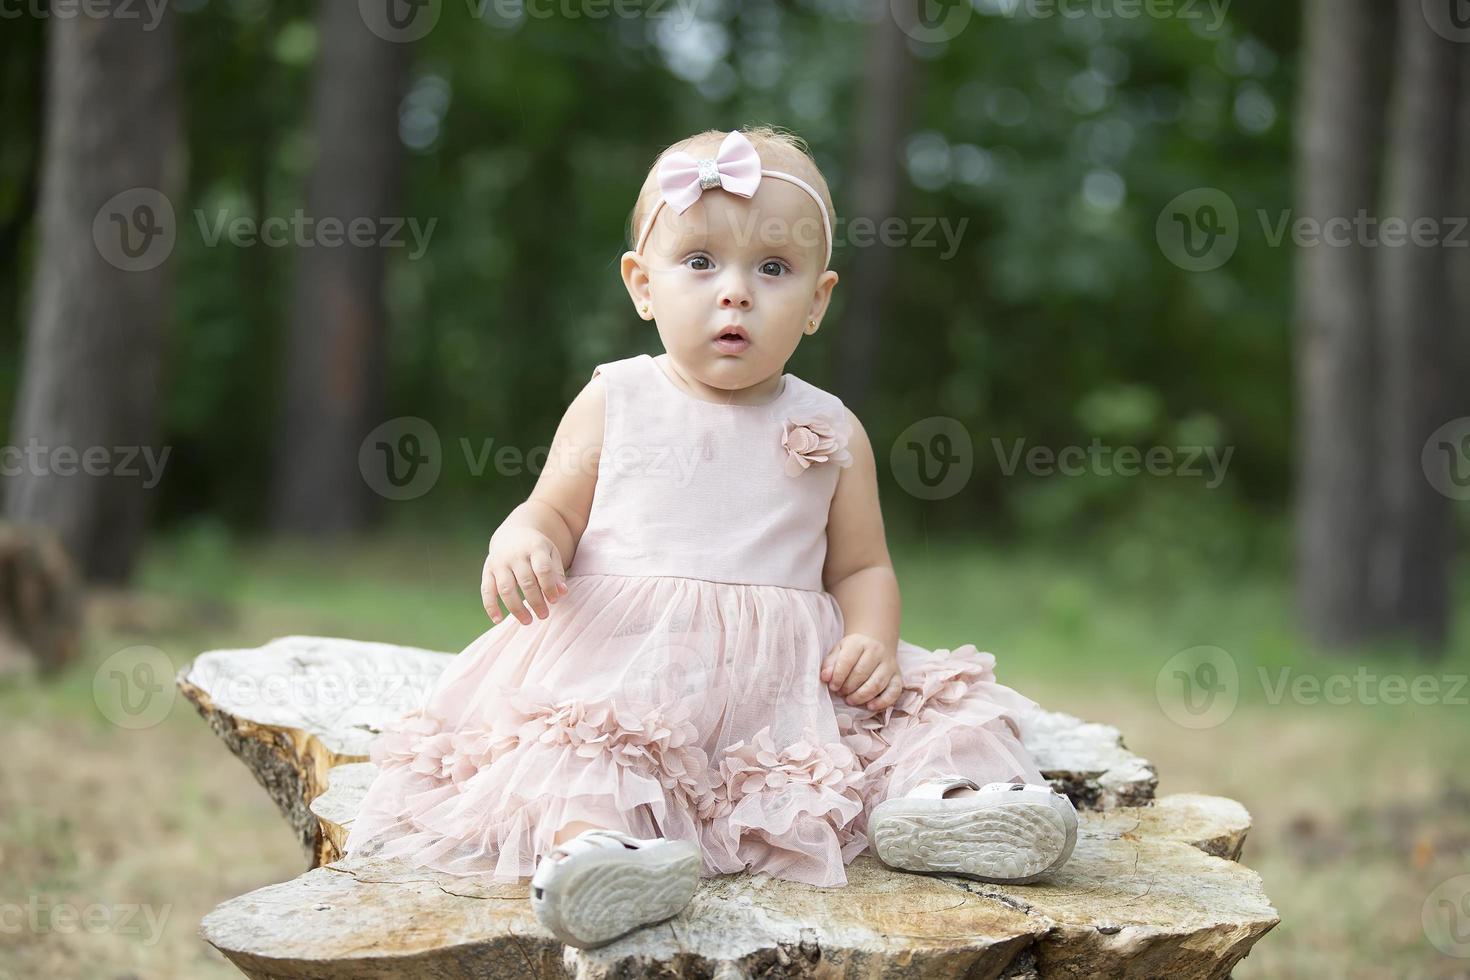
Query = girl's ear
x=635 y=278
x=826 y=282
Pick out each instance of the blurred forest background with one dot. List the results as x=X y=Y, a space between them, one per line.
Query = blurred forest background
x=1142 y=197
x=1047 y=310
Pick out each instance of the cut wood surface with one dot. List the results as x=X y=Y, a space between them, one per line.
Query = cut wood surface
x=296 y=707
x=1143 y=896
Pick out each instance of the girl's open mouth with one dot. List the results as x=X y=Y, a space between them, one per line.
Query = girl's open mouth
x=732 y=340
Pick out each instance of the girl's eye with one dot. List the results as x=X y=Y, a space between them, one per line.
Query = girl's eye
x=773 y=268
x=699 y=258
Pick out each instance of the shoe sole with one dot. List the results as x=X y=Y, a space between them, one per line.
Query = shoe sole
x=1011 y=842
x=592 y=898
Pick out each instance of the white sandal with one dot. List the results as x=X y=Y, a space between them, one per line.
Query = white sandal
x=1008 y=833
x=602 y=884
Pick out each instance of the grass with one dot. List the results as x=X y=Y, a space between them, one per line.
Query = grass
x=1360 y=809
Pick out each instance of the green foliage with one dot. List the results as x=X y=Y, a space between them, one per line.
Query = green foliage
x=1053 y=144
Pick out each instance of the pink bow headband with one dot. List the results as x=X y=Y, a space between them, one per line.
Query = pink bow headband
x=735 y=168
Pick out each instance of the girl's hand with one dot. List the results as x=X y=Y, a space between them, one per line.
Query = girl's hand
x=522 y=558
x=864 y=670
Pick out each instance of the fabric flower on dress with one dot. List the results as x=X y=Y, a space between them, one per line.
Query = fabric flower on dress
x=814 y=439
x=661 y=742
x=472 y=750
x=757 y=765
x=397 y=744
x=798 y=808
x=422 y=744
x=864 y=733
x=944 y=680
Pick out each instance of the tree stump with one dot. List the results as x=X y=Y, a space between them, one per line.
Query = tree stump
x=1154 y=887
x=40 y=602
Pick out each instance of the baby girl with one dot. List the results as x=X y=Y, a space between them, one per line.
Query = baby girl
x=699 y=670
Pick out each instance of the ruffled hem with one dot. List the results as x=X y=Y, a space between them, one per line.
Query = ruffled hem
x=489 y=801
x=792 y=812
x=481 y=779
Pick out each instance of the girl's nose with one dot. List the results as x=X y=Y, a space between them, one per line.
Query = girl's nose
x=734 y=296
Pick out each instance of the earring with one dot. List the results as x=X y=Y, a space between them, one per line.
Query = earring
x=811 y=326
x=643 y=309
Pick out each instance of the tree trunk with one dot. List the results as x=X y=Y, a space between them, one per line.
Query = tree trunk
x=1459 y=258
x=1340 y=120
x=88 y=398
x=882 y=120
x=1416 y=313
x=335 y=385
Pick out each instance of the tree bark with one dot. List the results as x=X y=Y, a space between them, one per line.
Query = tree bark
x=1411 y=571
x=88 y=397
x=1459 y=258
x=335 y=375
x=882 y=118
x=1340 y=127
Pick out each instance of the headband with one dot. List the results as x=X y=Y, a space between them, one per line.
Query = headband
x=735 y=168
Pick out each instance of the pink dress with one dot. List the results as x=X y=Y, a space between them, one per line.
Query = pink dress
x=675 y=690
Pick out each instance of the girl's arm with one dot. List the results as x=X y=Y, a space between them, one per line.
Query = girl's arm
x=859 y=574
x=536 y=542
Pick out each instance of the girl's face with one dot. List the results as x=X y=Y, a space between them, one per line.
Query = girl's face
x=728 y=261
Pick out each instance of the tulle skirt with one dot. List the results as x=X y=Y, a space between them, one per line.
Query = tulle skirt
x=675 y=707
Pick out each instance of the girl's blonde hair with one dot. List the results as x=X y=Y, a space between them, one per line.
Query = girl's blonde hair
x=779 y=149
